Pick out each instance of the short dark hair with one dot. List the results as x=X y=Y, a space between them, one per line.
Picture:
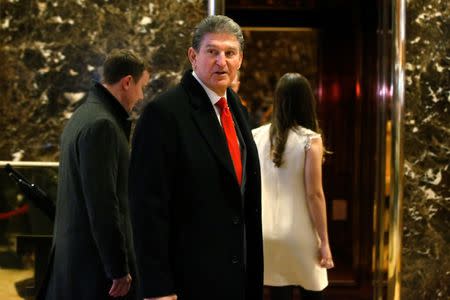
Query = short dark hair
x=216 y=24
x=120 y=63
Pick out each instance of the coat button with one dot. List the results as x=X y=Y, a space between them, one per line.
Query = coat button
x=235 y=220
x=234 y=259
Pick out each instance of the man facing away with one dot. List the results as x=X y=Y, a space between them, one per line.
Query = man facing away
x=93 y=254
x=195 y=181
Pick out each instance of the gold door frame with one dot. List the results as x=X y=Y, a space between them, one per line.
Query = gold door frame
x=397 y=159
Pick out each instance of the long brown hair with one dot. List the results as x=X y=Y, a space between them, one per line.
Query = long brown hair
x=294 y=105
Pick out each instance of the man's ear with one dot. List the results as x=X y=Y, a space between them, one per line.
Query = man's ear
x=126 y=82
x=192 y=55
x=240 y=59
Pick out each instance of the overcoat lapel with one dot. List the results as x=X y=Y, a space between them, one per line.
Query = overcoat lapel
x=205 y=118
x=252 y=152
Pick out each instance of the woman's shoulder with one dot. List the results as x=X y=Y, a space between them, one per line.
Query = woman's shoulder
x=302 y=131
x=307 y=136
x=260 y=130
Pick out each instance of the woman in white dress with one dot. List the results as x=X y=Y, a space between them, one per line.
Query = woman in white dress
x=296 y=247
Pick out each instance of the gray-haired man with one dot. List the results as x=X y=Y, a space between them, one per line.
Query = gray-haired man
x=195 y=181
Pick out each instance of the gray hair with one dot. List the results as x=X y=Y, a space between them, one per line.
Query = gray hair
x=217 y=24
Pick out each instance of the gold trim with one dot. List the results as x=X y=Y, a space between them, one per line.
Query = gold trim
x=381 y=208
x=28 y=164
x=216 y=7
x=397 y=160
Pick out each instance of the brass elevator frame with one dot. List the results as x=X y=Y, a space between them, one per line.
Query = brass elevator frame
x=397 y=159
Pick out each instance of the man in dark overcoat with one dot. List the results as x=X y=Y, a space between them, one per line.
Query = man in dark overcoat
x=93 y=256
x=195 y=181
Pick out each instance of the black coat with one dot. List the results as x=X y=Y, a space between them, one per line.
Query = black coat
x=92 y=235
x=197 y=234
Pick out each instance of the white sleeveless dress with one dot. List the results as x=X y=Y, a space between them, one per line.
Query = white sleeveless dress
x=291 y=244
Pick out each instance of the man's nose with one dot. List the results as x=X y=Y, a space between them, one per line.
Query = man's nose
x=220 y=59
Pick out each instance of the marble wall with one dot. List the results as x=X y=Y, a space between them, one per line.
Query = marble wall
x=51 y=50
x=426 y=214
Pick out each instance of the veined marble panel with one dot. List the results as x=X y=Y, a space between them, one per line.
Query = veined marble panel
x=426 y=215
x=51 y=50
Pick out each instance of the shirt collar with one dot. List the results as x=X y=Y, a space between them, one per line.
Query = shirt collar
x=213 y=97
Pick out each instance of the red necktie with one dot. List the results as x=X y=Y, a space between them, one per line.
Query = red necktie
x=230 y=133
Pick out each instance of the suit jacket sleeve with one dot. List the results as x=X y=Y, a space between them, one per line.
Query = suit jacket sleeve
x=150 y=193
x=98 y=155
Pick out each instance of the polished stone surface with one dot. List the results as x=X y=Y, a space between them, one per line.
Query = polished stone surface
x=426 y=214
x=51 y=50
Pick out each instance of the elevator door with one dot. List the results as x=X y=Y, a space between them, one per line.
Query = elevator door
x=334 y=46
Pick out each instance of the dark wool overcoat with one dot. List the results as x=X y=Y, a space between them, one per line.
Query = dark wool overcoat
x=197 y=232
x=92 y=236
